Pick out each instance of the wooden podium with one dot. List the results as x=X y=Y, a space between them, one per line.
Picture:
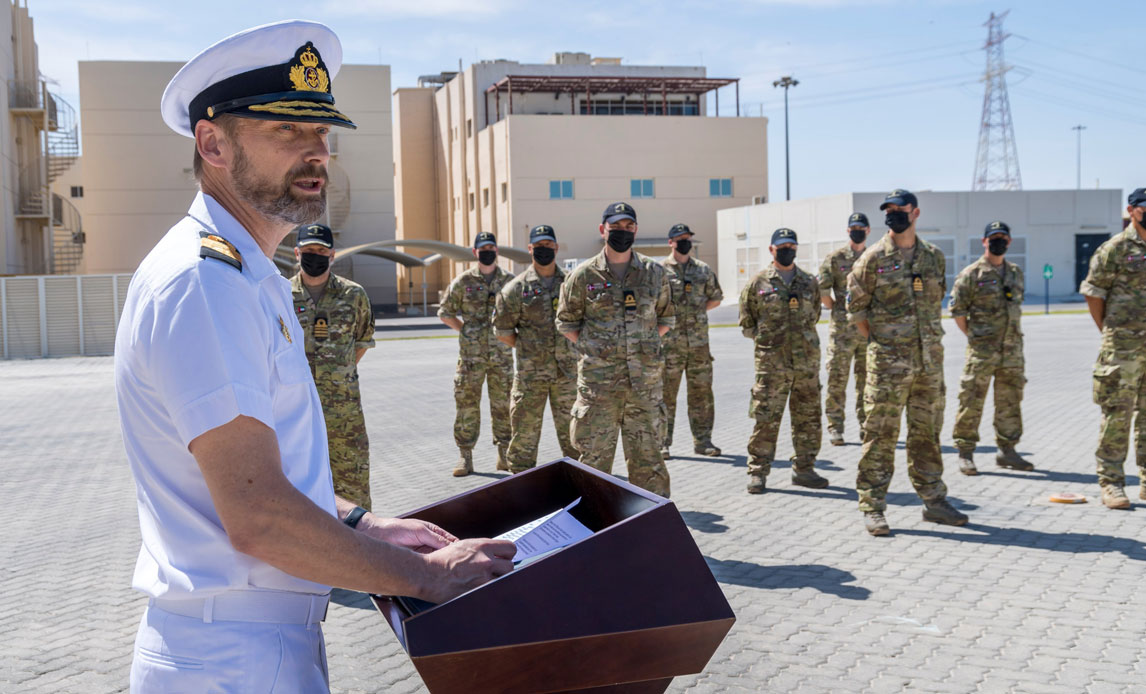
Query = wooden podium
x=624 y=610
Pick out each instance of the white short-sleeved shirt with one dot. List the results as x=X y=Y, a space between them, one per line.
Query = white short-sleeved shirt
x=200 y=343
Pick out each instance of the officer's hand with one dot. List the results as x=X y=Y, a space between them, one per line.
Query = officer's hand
x=466 y=564
x=572 y=335
x=417 y=535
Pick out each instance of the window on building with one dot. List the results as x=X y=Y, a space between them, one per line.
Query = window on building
x=77 y=191
x=720 y=187
x=504 y=191
x=641 y=188
x=561 y=190
x=485 y=197
x=655 y=106
x=471 y=201
x=469 y=127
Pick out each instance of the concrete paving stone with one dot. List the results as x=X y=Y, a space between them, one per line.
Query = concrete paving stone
x=822 y=606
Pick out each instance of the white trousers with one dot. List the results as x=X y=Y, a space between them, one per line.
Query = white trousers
x=175 y=654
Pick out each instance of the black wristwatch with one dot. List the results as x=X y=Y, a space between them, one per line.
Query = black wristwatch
x=354 y=516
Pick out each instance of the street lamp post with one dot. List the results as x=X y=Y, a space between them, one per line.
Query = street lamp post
x=1079 y=129
x=786 y=82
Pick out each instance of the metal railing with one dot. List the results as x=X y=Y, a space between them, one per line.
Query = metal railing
x=25 y=94
x=67 y=237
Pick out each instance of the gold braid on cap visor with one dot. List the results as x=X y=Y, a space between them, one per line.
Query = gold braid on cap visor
x=298 y=108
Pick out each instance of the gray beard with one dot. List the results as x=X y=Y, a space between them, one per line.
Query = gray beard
x=275 y=202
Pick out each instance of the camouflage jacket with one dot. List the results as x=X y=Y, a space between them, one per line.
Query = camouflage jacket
x=693 y=285
x=335 y=327
x=529 y=310
x=992 y=301
x=902 y=304
x=781 y=320
x=472 y=298
x=1118 y=276
x=833 y=280
x=617 y=320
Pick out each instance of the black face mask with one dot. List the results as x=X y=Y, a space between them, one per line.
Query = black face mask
x=621 y=240
x=684 y=246
x=785 y=255
x=897 y=221
x=314 y=264
x=857 y=234
x=543 y=255
x=487 y=257
x=996 y=246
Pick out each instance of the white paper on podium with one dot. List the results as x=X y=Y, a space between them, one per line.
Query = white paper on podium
x=546 y=534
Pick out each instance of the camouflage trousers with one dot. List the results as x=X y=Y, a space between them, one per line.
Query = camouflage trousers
x=800 y=392
x=349 y=451
x=845 y=345
x=888 y=391
x=527 y=409
x=696 y=365
x=1120 y=390
x=470 y=375
x=601 y=410
x=1009 y=382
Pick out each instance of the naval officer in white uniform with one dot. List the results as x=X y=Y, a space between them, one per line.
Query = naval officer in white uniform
x=242 y=533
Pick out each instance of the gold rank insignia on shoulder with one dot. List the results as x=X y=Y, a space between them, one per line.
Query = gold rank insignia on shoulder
x=321 y=328
x=283 y=329
x=219 y=248
x=917 y=283
x=793 y=303
x=307 y=75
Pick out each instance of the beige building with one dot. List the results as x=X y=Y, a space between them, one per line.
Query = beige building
x=136 y=179
x=38 y=144
x=505 y=146
x=1060 y=228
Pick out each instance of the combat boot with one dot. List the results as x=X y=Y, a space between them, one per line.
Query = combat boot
x=665 y=454
x=1008 y=458
x=502 y=461
x=809 y=478
x=1114 y=496
x=967 y=463
x=465 y=463
x=835 y=438
x=941 y=511
x=756 y=484
x=706 y=448
x=875 y=523
x=1142 y=490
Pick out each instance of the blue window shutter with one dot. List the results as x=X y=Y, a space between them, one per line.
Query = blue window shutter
x=635 y=188
x=567 y=189
x=714 y=187
x=726 y=187
x=554 y=190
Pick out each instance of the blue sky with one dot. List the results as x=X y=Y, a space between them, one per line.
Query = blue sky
x=889 y=92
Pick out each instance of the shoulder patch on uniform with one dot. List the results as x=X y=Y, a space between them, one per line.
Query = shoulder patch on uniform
x=219 y=248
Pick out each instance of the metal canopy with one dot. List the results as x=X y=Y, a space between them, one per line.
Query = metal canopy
x=612 y=85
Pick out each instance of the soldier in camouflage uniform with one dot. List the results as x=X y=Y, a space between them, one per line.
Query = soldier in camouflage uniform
x=987 y=304
x=895 y=296
x=525 y=319
x=844 y=341
x=338 y=325
x=1115 y=291
x=616 y=307
x=481 y=356
x=779 y=309
x=695 y=292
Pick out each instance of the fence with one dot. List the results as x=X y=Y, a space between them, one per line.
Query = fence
x=60 y=316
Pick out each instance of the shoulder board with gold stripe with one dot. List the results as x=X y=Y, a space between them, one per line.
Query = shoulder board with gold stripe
x=219 y=248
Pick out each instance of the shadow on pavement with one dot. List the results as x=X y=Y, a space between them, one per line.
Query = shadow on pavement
x=351 y=598
x=703 y=521
x=826 y=579
x=1073 y=543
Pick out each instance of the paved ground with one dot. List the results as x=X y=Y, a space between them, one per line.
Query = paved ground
x=1030 y=597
